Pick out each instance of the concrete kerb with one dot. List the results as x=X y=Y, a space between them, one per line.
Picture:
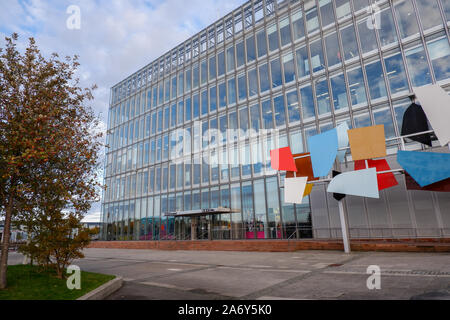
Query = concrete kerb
x=104 y=290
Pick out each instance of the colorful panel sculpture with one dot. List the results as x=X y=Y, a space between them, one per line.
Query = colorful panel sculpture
x=323 y=148
x=342 y=139
x=367 y=142
x=385 y=180
x=436 y=104
x=441 y=186
x=281 y=159
x=294 y=188
x=425 y=167
x=337 y=196
x=304 y=167
x=361 y=183
x=415 y=121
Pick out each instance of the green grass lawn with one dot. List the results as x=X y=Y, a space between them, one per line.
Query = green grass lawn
x=27 y=282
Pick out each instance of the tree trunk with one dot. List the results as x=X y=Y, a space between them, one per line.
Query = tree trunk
x=5 y=246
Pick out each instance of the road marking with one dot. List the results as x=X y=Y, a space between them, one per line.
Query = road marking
x=392 y=274
x=175 y=269
x=258 y=266
x=164 y=285
x=276 y=298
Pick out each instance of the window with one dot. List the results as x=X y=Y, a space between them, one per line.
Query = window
x=387 y=31
x=212 y=68
x=230 y=59
x=360 y=4
x=153 y=122
x=332 y=49
x=267 y=114
x=255 y=117
x=212 y=99
x=204 y=102
x=240 y=54
x=317 y=60
x=302 y=62
x=292 y=106
x=396 y=73
x=196 y=100
x=160 y=120
x=285 y=31
x=275 y=69
x=221 y=63
x=188 y=80
x=349 y=42
x=342 y=8
x=297 y=25
x=166 y=117
x=187 y=110
x=173 y=116
x=204 y=71
x=180 y=83
x=429 y=13
x=326 y=12
x=323 y=96
x=252 y=83
x=406 y=18
x=180 y=112
x=367 y=37
x=307 y=102
x=242 y=87
x=375 y=80
x=264 y=78
x=248 y=17
x=312 y=20
x=273 y=208
x=251 y=50
x=280 y=112
x=339 y=92
x=196 y=76
x=273 y=37
x=237 y=23
x=261 y=43
x=289 y=68
x=222 y=95
x=356 y=87
x=231 y=91
x=418 y=66
x=243 y=120
x=384 y=116
x=439 y=51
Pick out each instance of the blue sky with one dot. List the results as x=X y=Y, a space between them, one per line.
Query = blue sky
x=116 y=38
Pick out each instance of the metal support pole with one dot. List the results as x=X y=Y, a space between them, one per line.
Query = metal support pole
x=344 y=226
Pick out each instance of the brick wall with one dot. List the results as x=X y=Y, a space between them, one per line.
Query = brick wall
x=418 y=245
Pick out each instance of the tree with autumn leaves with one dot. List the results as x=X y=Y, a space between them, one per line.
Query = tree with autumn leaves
x=49 y=149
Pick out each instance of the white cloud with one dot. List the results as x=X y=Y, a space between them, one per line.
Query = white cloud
x=116 y=37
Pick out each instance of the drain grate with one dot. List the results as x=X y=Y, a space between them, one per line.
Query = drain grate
x=419 y=272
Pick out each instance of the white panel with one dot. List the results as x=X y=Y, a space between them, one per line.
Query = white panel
x=435 y=103
x=294 y=189
x=362 y=183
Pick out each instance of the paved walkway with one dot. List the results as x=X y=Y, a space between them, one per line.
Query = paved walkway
x=154 y=274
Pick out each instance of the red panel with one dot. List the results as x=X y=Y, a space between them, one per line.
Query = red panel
x=385 y=180
x=282 y=159
x=441 y=186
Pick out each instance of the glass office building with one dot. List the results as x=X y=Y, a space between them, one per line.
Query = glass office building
x=275 y=72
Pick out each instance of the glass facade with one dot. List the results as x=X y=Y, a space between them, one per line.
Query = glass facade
x=296 y=68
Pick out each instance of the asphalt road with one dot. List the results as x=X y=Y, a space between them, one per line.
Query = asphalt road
x=192 y=275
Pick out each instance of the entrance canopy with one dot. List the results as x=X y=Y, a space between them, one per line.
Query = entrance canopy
x=200 y=212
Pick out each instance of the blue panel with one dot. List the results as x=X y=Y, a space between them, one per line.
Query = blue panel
x=323 y=148
x=425 y=167
x=361 y=183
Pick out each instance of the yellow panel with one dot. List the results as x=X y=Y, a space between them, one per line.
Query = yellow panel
x=367 y=142
x=308 y=189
